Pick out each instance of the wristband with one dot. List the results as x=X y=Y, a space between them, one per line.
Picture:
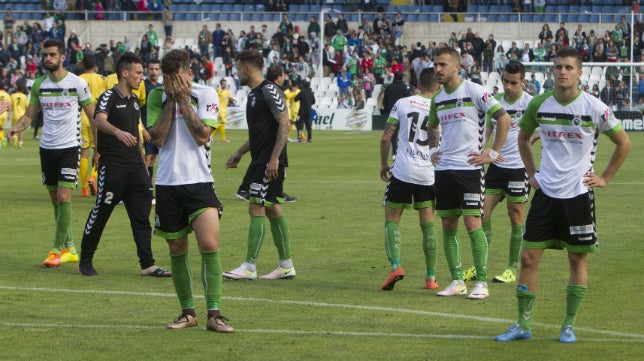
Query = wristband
x=493 y=154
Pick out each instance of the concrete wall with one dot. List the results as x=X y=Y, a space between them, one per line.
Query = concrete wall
x=102 y=31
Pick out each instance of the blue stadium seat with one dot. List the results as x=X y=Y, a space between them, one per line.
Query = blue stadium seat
x=222 y=16
x=551 y=18
x=471 y=8
x=179 y=16
x=561 y=9
x=249 y=8
x=193 y=17
x=227 y=7
x=506 y=9
x=513 y=18
x=574 y=9
x=495 y=9
x=539 y=18
x=492 y=17
x=412 y=18
x=238 y=7
x=484 y=8
x=425 y=18
x=235 y=16
x=528 y=18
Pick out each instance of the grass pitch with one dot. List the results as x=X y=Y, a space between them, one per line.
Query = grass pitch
x=334 y=308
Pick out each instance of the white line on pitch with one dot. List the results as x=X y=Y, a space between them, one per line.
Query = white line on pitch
x=301 y=332
x=322 y=304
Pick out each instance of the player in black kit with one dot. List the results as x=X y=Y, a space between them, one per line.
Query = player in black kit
x=122 y=174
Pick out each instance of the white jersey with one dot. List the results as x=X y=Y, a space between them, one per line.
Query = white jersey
x=510 y=150
x=569 y=134
x=461 y=116
x=412 y=164
x=181 y=160
x=61 y=104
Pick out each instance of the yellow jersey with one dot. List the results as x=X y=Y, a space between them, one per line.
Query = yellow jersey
x=224 y=98
x=4 y=97
x=18 y=105
x=97 y=87
x=293 y=106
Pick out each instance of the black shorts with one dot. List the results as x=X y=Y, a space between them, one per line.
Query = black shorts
x=512 y=183
x=459 y=192
x=60 y=167
x=561 y=223
x=263 y=191
x=150 y=148
x=401 y=194
x=178 y=206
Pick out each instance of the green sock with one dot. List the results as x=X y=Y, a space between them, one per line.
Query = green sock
x=516 y=237
x=281 y=238
x=487 y=229
x=525 y=300
x=182 y=279
x=255 y=237
x=63 y=227
x=392 y=243
x=453 y=254
x=574 y=298
x=429 y=247
x=479 y=253
x=211 y=279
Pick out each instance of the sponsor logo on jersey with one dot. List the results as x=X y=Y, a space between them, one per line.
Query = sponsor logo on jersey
x=459 y=102
x=211 y=107
x=52 y=105
x=65 y=92
x=485 y=97
x=576 y=120
x=136 y=106
x=562 y=135
x=452 y=116
x=469 y=197
x=518 y=114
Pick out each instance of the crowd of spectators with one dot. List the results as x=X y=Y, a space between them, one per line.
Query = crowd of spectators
x=361 y=59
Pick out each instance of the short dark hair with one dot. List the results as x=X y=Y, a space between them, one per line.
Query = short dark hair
x=569 y=52
x=55 y=43
x=427 y=79
x=89 y=62
x=448 y=51
x=154 y=61
x=398 y=75
x=251 y=57
x=125 y=62
x=273 y=72
x=515 y=67
x=175 y=60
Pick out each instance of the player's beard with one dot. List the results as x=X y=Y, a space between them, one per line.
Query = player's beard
x=52 y=67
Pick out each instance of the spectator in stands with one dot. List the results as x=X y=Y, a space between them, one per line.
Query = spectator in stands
x=9 y=22
x=328 y=59
x=617 y=34
x=56 y=33
x=339 y=63
x=218 y=40
x=342 y=24
x=625 y=27
x=467 y=61
x=488 y=57
x=599 y=52
x=607 y=93
x=612 y=52
x=624 y=51
x=204 y=39
x=527 y=54
x=379 y=23
x=368 y=83
x=329 y=29
x=145 y=50
x=344 y=83
x=539 y=6
x=366 y=64
x=153 y=37
x=545 y=33
x=167 y=18
x=286 y=25
x=314 y=27
x=379 y=65
x=500 y=60
x=398 y=27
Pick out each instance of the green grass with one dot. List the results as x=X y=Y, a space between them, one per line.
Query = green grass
x=334 y=309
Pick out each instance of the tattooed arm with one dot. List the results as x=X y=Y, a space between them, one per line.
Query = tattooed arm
x=385 y=143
